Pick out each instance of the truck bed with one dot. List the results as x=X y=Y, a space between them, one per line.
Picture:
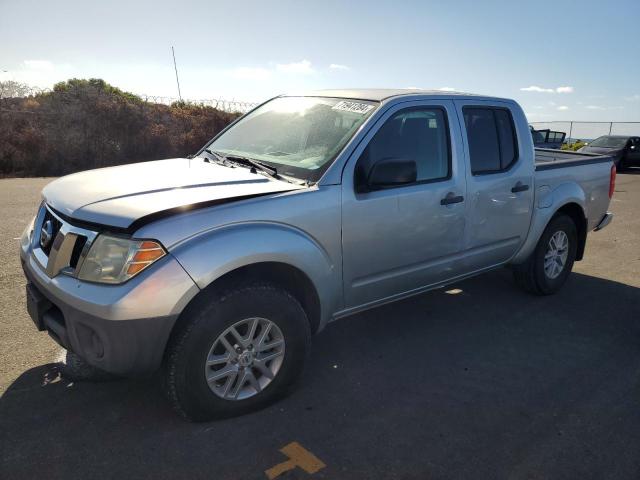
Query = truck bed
x=547 y=159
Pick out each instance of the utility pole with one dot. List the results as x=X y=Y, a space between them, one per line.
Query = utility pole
x=176 y=69
x=570 y=133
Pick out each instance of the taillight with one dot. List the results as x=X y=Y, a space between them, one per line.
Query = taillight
x=612 y=180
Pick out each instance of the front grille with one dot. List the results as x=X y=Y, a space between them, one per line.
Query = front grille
x=56 y=225
x=58 y=245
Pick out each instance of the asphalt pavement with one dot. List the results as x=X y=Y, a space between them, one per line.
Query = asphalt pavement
x=478 y=380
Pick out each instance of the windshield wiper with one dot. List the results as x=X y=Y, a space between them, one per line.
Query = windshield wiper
x=219 y=158
x=246 y=162
x=268 y=169
x=254 y=165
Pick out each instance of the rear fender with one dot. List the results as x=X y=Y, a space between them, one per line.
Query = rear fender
x=547 y=204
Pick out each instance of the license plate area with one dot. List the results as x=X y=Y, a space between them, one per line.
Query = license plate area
x=37 y=306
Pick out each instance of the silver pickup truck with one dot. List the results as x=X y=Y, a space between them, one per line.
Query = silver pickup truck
x=217 y=269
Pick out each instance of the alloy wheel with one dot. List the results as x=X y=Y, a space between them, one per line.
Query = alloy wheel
x=555 y=258
x=245 y=359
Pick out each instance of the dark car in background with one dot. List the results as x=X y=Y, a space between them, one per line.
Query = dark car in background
x=624 y=149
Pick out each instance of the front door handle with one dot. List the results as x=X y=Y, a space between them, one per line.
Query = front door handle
x=451 y=198
x=520 y=187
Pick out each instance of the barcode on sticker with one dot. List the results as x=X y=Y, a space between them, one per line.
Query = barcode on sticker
x=353 y=107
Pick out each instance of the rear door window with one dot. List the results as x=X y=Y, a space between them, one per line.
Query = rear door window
x=491 y=138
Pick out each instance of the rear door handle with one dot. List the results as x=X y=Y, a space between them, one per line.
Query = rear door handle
x=520 y=187
x=451 y=198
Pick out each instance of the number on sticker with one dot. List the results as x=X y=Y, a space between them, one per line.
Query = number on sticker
x=353 y=107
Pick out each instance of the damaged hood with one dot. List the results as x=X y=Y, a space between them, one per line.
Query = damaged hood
x=120 y=196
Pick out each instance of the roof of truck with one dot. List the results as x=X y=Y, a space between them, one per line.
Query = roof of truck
x=380 y=94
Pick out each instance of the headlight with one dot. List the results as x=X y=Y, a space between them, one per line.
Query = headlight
x=25 y=239
x=116 y=260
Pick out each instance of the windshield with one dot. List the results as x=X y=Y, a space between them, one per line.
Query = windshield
x=299 y=136
x=609 y=142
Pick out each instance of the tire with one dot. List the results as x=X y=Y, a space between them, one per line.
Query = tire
x=198 y=339
x=620 y=166
x=531 y=275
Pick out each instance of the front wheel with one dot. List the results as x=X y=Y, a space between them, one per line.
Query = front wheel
x=237 y=352
x=548 y=267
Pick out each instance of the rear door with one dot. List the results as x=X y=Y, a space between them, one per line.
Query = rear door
x=499 y=181
x=400 y=239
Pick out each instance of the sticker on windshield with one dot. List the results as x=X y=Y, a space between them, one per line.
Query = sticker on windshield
x=353 y=107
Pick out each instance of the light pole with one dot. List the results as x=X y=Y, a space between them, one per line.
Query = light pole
x=176 y=69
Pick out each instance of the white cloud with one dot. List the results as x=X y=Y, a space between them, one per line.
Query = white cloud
x=536 y=88
x=563 y=107
x=633 y=98
x=446 y=89
x=39 y=65
x=594 y=107
x=302 y=67
x=337 y=66
x=250 y=73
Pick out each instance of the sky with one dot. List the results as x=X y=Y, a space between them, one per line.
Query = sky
x=562 y=60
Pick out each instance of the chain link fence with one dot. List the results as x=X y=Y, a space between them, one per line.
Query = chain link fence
x=587 y=131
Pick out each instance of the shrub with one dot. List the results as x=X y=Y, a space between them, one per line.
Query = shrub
x=573 y=146
x=84 y=124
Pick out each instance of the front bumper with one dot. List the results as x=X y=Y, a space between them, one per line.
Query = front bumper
x=123 y=328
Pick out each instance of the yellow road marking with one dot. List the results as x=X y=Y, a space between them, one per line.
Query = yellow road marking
x=298 y=457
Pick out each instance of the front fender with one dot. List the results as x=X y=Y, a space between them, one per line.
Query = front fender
x=547 y=202
x=210 y=255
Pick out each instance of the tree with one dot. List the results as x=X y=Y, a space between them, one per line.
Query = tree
x=11 y=89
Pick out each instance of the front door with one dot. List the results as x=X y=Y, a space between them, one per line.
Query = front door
x=400 y=239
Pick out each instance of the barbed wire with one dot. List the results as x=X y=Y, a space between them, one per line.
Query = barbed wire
x=222 y=104
x=231 y=106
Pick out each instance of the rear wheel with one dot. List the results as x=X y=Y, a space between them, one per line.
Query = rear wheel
x=548 y=267
x=239 y=352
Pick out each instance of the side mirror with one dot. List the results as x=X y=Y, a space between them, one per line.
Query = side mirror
x=633 y=147
x=392 y=172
